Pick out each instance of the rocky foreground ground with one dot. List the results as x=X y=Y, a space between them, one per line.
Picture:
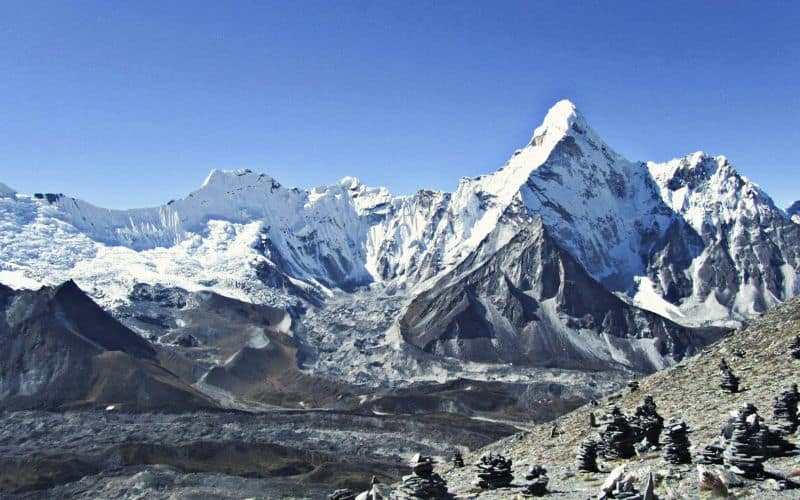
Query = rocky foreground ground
x=758 y=353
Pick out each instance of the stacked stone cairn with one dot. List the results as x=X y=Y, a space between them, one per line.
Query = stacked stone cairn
x=538 y=487
x=742 y=455
x=633 y=385
x=422 y=482
x=784 y=411
x=648 y=422
x=711 y=454
x=587 y=455
x=458 y=460
x=611 y=404
x=618 y=437
x=494 y=471
x=342 y=494
x=676 y=442
x=729 y=381
x=794 y=347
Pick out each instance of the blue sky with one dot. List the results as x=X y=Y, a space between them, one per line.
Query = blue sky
x=131 y=104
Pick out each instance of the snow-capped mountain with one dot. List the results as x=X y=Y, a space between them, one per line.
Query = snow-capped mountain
x=511 y=266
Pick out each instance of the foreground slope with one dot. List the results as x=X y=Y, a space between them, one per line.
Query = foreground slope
x=688 y=390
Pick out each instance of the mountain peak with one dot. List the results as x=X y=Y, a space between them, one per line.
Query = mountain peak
x=562 y=116
x=218 y=176
x=6 y=191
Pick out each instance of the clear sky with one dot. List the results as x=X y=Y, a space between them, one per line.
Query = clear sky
x=131 y=104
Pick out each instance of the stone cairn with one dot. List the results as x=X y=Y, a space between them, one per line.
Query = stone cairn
x=458 y=459
x=741 y=456
x=729 y=381
x=676 y=442
x=342 y=494
x=494 y=471
x=422 y=482
x=712 y=453
x=633 y=385
x=784 y=411
x=618 y=437
x=538 y=475
x=794 y=347
x=647 y=419
x=626 y=490
x=611 y=404
x=587 y=455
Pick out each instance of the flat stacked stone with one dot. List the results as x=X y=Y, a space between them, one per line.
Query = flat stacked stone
x=649 y=421
x=676 y=442
x=794 y=347
x=729 y=382
x=342 y=494
x=618 y=437
x=538 y=487
x=494 y=471
x=587 y=455
x=422 y=482
x=458 y=460
x=741 y=456
x=784 y=411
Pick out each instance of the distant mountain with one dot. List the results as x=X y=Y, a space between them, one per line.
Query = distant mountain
x=569 y=255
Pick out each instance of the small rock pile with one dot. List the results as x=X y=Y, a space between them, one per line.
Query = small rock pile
x=422 y=482
x=538 y=487
x=676 y=442
x=587 y=455
x=729 y=382
x=494 y=471
x=784 y=411
x=342 y=494
x=619 y=484
x=458 y=460
x=633 y=385
x=794 y=347
x=618 y=437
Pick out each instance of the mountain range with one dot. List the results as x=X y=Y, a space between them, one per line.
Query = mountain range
x=569 y=256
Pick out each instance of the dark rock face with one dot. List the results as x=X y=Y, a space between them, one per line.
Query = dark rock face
x=529 y=302
x=61 y=349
